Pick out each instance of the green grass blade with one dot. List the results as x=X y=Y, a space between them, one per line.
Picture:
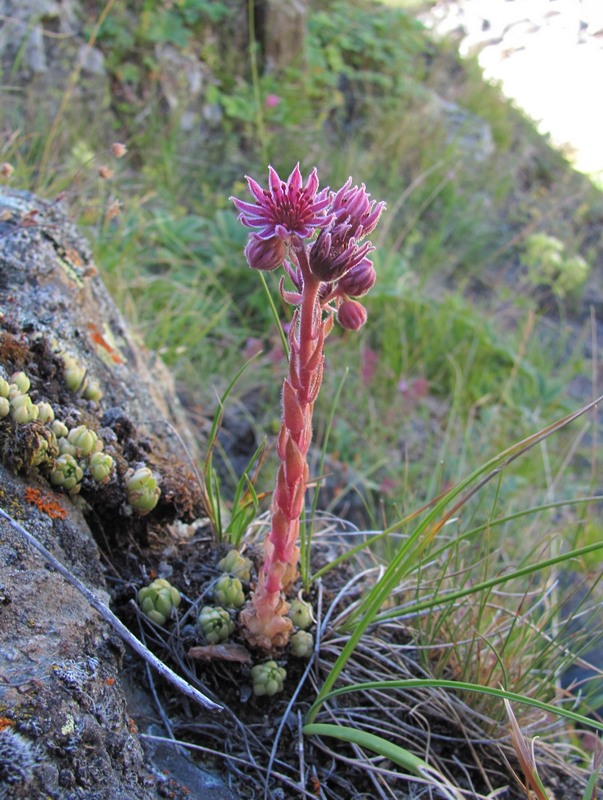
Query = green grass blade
x=275 y=314
x=491 y=582
x=402 y=563
x=210 y=484
x=372 y=539
x=436 y=683
x=377 y=744
x=591 y=786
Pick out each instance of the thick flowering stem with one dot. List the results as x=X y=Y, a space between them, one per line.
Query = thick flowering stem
x=265 y=621
x=321 y=232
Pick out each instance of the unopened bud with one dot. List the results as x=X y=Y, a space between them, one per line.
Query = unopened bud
x=158 y=600
x=67 y=473
x=359 y=280
x=92 y=391
x=22 y=409
x=45 y=412
x=21 y=381
x=59 y=428
x=105 y=172
x=265 y=254
x=351 y=315
x=101 y=467
x=75 y=375
x=142 y=491
x=300 y=613
x=84 y=440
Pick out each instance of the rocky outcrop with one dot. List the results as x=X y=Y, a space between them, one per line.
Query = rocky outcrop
x=65 y=729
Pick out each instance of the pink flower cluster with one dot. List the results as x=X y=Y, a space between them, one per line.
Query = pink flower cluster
x=294 y=221
x=318 y=238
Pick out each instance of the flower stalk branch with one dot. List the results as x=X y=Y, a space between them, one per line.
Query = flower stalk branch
x=315 y=236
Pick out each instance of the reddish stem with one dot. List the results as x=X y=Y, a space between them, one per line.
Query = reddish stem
x=265 y=621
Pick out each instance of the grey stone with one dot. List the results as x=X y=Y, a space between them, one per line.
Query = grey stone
x=61 y=686
x=91 y=60
x=284 y=33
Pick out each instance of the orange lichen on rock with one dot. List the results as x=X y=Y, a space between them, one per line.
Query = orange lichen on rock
x=45 y=503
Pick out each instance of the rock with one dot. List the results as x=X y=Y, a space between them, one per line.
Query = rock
x=183 y=77
x=61 y=694
x=42 y=67
x=91 y=60
x=51 y=290
x=59 y=663
x=284 y=33
x=469 y=133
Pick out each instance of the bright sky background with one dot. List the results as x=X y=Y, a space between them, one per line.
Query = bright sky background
x=548 y=57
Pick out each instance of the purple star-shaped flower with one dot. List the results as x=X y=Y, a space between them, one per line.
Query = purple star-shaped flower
x=285 y=209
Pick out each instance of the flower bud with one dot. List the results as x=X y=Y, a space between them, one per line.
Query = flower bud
x=267 y=679
x=215 y=623
x=265 y=254
x=300 y=613
x=101 y=467
x=301 y=644
x=358 y=281
x=236 y=564
x=67 y=474
x=40 y=454
x=142 y=491
x=158 y=600
x=351 y=315
x=336 y=252
x=22 y=382
x=105 y=172
x=228 y=591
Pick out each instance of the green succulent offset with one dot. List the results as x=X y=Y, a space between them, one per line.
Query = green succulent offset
x=158 y=600
x=268 y=679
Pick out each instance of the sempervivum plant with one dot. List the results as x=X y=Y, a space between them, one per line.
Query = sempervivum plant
x=319 y=238
x=158 y=600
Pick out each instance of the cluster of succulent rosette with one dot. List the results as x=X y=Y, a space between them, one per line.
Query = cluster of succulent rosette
x=217 y=623
x=319 y=239
x=64 y=455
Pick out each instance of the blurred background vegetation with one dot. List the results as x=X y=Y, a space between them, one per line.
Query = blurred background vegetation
x=482 y=326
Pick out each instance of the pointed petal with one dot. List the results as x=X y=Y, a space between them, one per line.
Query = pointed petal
x=274 y=181
x=255 y=189
x=294 y=181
